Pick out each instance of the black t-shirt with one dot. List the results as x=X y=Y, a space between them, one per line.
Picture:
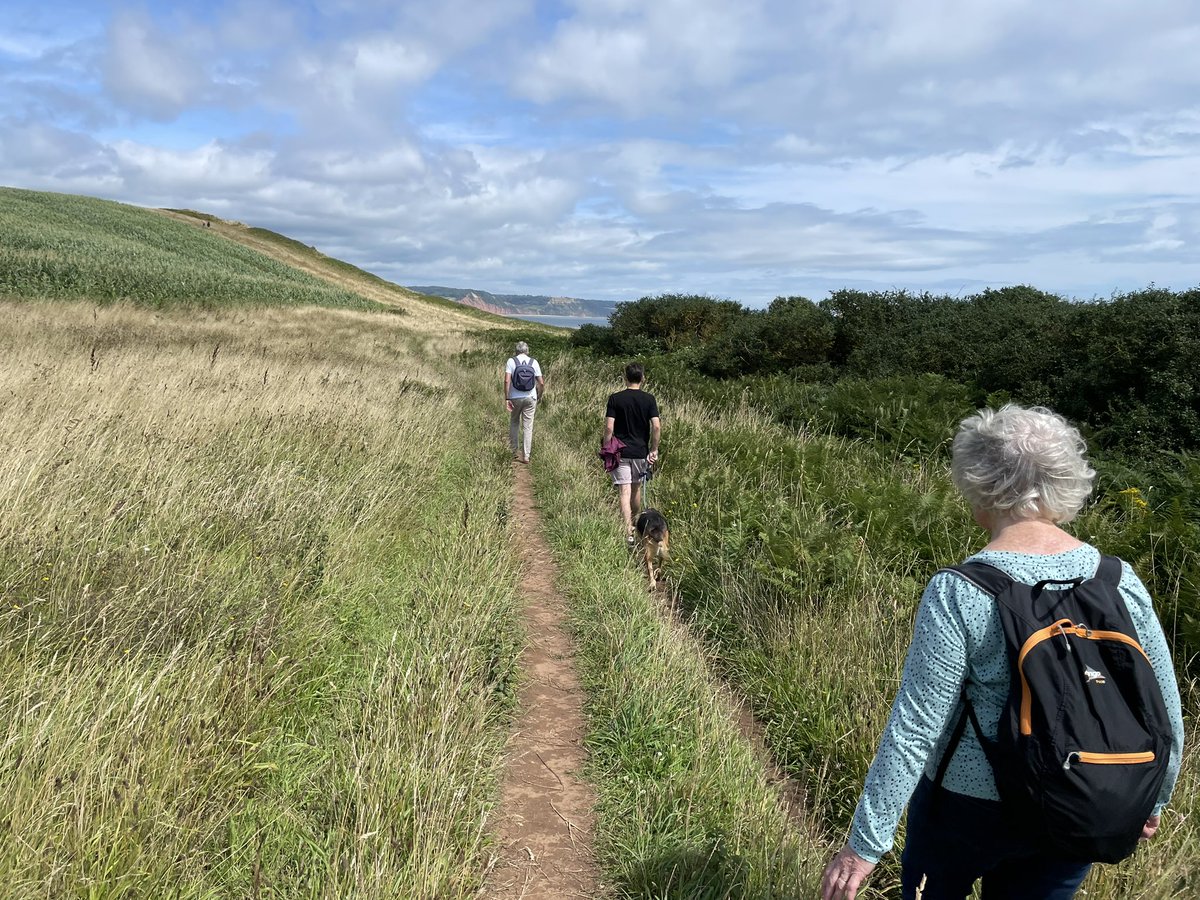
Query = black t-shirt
x=631 y=412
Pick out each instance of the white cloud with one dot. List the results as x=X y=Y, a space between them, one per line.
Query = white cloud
x=644 y=58
x=458 y=25
x=931 y=33
x=259 y=25
x=379 y=166
x=626 y=147
x=39 y=156
x=213 y=168
x=149 y=71
x=386 y=61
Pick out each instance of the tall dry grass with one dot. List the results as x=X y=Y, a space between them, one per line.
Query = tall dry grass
x=258 y=627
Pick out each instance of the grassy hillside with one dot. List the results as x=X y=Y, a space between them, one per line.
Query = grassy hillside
x=60 y=246
x=66 y=247
x=259 y=625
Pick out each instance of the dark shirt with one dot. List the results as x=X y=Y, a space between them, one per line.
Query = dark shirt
x=631 y=412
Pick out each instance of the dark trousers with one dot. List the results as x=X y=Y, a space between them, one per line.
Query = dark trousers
x=959 y=839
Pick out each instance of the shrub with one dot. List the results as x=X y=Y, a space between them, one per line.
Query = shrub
x=1128 y=368
x=597 y=339
x=739 y=350
x=796 y=332
x=670 y=322
x=1135 y=370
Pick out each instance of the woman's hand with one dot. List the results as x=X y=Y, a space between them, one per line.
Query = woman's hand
x=1151 y=827
x=844 y=875
x=508 y=405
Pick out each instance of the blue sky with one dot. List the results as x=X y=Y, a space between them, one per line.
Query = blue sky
x=618 y=148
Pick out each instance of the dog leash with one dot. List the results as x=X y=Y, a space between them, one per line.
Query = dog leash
x=645 y=479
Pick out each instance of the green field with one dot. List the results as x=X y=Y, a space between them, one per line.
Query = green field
x=79 y=248
x=261 y=623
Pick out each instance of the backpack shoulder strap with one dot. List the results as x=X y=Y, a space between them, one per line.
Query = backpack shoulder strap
x=1110 y=570
x=968 y=713
x=986 y=577
x=991 y=581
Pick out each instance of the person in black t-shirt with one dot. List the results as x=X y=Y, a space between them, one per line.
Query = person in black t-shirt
x=632 y=417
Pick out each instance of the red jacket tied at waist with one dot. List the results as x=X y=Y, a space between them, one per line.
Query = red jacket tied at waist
x=610 y=453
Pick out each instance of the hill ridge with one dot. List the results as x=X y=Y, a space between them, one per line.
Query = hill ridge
x=521 y=304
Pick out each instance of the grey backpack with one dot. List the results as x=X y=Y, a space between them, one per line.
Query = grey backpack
x=523 y=376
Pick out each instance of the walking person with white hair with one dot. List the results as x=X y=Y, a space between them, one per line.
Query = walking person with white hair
x=1053 y=653
x=523 y=384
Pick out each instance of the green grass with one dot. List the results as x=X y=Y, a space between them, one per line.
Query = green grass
x=684 y=808
x=260 y=619
x=800 y=560
x=79 y=248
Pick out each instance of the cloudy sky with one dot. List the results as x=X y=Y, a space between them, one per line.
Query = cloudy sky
x=617 y=148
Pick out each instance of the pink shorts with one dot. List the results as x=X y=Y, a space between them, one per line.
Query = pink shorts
x=629 y=470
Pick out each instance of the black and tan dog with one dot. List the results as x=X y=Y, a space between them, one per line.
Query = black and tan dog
x=655 y=538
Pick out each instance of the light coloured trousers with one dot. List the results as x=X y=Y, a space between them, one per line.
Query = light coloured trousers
x=523 y=409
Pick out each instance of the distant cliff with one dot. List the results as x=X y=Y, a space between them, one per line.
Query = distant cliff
x=520 y=304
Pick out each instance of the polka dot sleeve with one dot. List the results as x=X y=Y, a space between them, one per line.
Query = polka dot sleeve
x=934 y=671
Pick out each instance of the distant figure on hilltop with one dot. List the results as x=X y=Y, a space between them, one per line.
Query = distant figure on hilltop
x=632 y=418
x=522 y=383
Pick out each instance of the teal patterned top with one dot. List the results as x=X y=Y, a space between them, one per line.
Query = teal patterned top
x=957 y=638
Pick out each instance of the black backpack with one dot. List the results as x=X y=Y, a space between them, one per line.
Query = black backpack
x=1084 y=740
x=523 y=375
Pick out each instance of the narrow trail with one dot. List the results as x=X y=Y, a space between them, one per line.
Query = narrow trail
x=789 y=792
x=544 y=820
x=545 y=817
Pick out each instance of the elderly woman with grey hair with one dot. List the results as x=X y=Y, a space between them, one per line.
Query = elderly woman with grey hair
x=1024 y=474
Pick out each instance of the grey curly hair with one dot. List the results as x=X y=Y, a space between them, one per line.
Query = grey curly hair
x=522 y=347
x=1028 y=461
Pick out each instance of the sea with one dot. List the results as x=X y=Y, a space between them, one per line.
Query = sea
x=565 y=321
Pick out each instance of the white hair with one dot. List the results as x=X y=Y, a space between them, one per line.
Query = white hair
x=1027 y=461
x=522 y=347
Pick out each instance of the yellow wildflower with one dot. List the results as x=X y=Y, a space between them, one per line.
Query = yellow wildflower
x=1134 y=496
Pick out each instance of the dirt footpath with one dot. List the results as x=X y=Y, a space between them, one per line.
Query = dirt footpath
x=544 y=822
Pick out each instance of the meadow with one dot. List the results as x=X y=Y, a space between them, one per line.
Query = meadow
x=261 y=585
x=259 y=626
